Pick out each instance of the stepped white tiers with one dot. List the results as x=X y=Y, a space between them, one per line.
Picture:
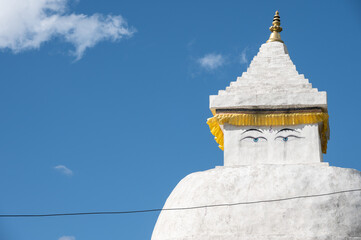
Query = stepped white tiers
x=272 y=82
x=273 y=127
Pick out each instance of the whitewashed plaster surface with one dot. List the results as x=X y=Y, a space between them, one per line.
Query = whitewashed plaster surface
x=267 y=169
x=271 y=145
x=271 y=81
x=332 y=217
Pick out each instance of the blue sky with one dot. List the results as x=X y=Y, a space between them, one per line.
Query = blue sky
x=104 y=103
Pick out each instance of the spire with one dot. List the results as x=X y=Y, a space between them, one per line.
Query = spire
x=275 y=29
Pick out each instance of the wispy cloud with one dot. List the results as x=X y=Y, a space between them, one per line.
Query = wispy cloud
x=27 y=24
x=243 y=59
x=191 y=43
x=211 y=61
x=67 y=238
x=64 y=170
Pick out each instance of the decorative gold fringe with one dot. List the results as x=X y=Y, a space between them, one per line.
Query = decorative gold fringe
x=281 y=119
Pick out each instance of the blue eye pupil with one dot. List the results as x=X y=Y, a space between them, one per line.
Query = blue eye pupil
x=255 y=139
x=285 y=139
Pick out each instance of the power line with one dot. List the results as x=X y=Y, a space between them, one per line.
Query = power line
x=172 y=209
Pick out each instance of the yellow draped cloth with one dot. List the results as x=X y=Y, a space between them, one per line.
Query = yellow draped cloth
x=264 y=119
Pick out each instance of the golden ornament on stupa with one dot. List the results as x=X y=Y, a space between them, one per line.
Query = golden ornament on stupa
x=275 y=29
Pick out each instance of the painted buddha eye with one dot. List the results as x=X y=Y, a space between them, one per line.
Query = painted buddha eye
x=254 y=139
x=287 y=138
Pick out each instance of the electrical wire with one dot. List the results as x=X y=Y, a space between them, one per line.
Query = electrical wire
x=172 y=209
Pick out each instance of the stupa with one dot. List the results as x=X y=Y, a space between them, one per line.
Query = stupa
x=273 y=127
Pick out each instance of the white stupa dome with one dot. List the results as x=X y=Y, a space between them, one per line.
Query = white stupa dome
x=335 y=217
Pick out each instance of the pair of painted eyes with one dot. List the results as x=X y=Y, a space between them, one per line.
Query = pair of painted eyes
x=284 y=139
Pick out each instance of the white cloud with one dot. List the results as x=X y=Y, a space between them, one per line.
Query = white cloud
x=64 y=170
x=67 y=238
x=211 y=61
x=26 y=24
x=244 y=59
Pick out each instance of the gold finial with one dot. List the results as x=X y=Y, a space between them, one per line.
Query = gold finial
x=275 y=29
